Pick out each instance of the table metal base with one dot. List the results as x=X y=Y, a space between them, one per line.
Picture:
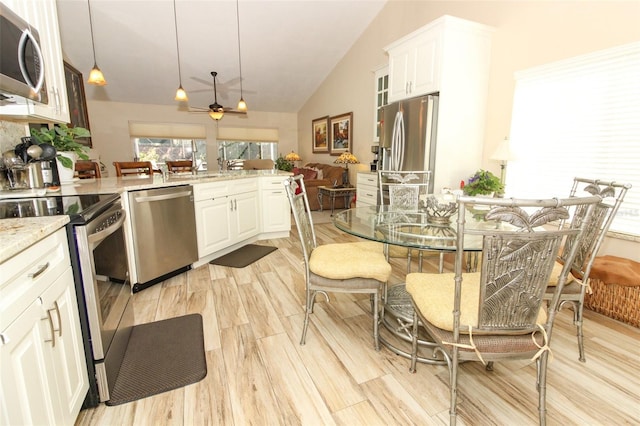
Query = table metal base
x=398 y=322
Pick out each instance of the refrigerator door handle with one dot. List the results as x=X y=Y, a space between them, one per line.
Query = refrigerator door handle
x=397 y=142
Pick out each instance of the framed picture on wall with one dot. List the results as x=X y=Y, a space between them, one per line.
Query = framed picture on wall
x=320 y=134
x=341 y=133
x=77 y=101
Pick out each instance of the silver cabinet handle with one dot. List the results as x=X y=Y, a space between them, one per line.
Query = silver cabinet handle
x=51 y=326
x=40 y=270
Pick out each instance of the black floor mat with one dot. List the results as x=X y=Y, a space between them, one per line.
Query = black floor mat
x=161 y=356
x=243 y=256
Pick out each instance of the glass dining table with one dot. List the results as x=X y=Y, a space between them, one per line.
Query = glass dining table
x=414 y=230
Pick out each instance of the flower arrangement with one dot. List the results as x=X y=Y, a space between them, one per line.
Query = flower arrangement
x=282 y=164
x=483 y=182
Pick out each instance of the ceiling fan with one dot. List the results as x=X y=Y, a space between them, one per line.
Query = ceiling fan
x=215 y=110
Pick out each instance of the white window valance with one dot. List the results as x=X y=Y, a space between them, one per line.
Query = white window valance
x=247 y=134
x=140 y=129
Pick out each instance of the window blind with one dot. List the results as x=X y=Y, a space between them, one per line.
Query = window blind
x=579 y=117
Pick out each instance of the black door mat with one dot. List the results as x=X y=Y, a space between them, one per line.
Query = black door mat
x=161 y=356
x=243 y=256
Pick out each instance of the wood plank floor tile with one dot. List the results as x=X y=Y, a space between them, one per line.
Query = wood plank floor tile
x=299 y=402
x=340 y=377
x=258 y=306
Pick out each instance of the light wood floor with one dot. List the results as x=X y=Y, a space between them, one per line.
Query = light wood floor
x=259 y=374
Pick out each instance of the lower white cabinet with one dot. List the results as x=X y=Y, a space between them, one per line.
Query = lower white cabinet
x=276 y=213
x=367 y=189
x=226 y=213
x=43 y=370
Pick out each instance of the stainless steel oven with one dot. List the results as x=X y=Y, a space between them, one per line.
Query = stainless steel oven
x=99 y=260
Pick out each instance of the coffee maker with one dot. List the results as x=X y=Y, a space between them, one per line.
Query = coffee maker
x=374 y=164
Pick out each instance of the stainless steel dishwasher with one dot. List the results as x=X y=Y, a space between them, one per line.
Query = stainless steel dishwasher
x=164 y=233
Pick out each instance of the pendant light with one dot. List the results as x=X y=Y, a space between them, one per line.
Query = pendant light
x=181 y=95
x=242 y=105
x=95 y=75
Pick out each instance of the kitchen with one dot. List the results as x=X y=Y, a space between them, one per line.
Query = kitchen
x=112 y=140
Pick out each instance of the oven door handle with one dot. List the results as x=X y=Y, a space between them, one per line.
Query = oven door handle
x=96 y=238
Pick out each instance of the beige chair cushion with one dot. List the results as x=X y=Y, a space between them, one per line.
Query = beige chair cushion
x=433 y=295
x=555 y=274
x=350 y=260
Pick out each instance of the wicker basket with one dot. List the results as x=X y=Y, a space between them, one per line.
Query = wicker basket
x=616 y=301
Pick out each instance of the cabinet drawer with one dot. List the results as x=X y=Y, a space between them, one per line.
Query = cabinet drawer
x=367 y=195
x=211 y=190
x=268 y=183
x=26 y=275
x=367 y=179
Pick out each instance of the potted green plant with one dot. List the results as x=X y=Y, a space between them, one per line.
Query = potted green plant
x=483 y=182
x=63 y=139
x=284 y=165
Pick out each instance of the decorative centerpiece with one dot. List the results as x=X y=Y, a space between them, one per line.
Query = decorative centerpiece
x=439 y=212
x=483 y=182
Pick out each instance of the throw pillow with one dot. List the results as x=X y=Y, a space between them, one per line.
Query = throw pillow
x=308 y=174
x=318 y=173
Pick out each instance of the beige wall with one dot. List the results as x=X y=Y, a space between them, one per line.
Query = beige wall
x=110 y=127
x=527 y=34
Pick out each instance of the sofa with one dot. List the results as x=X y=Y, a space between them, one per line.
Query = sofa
x=318 y=174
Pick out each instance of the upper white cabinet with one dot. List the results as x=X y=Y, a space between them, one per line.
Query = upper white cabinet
x=43 y=15
x=420 y=62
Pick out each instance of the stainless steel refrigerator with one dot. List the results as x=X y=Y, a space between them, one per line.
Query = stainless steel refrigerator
x=408 y=135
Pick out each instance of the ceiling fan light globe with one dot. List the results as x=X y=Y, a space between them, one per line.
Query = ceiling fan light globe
x=96 y=77
x=181 y=95
x=216 y=114
x=242 y=105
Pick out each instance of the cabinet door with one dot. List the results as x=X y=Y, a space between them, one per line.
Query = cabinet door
x=401 y=61
x=43 y=16
x=426 y=65
x=246 y=214
x=276 y=214
x=67 y=351
x=214 y=225
x=28 y=393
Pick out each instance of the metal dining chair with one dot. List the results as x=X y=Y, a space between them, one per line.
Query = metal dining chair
x=358 y=267
x=404 y=191
x=498 y=314
x=574 y=291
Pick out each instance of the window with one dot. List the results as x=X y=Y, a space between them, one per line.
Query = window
x=159 y=150
x=242 y=150
x=381 y=98
x=579 y=117
x=159 y=142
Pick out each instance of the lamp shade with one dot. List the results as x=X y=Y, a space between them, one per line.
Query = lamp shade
x=292 y=156
x=346 y=158
x=502 y=152
x=216 y=115
x=96 y=77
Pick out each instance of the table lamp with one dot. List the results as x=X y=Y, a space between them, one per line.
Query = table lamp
x=292 y=157
x=502 y=154
x=346 y=158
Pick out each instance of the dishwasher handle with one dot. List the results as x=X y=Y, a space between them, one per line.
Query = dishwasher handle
x=97 y=237
x=163 y=197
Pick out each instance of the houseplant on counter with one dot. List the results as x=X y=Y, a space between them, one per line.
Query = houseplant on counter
x=483 y=182
x=68 y=149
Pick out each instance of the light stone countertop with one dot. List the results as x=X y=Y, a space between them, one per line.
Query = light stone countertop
x=20 y=233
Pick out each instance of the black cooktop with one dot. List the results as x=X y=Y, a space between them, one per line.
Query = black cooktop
x=82 y=207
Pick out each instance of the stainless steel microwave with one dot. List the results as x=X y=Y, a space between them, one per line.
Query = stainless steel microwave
x=22 y=64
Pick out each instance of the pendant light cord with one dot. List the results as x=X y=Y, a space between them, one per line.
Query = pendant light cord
x=93 y=46
x=239 y=56
x=175 y=22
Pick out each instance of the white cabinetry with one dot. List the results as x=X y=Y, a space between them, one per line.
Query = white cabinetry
x=457 y=66
x=43 y=370
x=445 y=49
x=414 y=64
x=43 y=15
x=227 y=212
x=276 y=213
x=367 y=189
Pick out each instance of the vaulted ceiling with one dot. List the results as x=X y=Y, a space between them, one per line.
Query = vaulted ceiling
x=288 y=47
